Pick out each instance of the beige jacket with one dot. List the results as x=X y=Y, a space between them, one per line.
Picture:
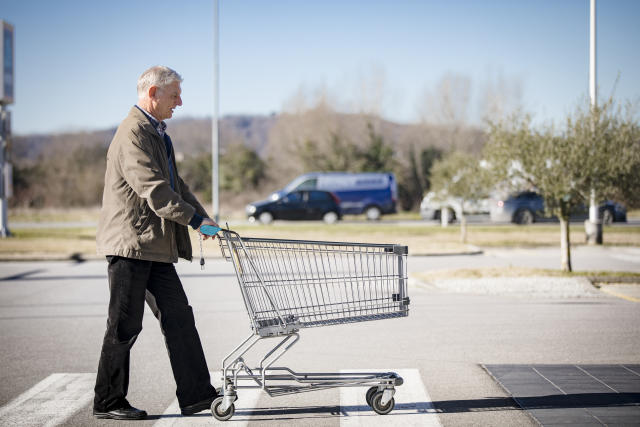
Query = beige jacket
x=141 y=216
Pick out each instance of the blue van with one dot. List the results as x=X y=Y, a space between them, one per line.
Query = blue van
x=371 y=193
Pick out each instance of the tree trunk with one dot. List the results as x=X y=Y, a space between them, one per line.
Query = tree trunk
x=594 y=228
x=444 y=216
x=565 y=245
x=463 y=228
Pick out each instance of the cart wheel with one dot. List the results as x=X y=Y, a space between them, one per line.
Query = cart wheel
x=219 y=415
x=375 y=404
x=370 y=393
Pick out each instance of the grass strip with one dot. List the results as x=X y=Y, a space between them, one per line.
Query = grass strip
x=596 y=277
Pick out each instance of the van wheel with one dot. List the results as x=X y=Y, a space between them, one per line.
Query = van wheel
x=266 y=218
x=524 y=217
x=330 y=217
x=607 y=217
x=373 y=213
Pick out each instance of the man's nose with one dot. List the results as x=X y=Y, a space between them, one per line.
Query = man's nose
x=179 y=100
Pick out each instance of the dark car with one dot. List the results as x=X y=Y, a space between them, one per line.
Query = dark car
x=528 y=206
x=297 y=205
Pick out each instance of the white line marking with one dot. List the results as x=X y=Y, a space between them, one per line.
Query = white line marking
x=413 y=404
x=50 y=402
x=630 y=370
x=624 y=257
x=601 y=382
x=549 y=381
x=247 y=400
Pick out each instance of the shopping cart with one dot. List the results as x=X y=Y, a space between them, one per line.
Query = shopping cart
x=288 y=285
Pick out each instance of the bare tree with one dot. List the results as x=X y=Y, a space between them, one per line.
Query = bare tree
x=500 y=96
x=446 y=109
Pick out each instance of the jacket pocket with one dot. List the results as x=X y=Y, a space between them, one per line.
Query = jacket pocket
x=144 y=218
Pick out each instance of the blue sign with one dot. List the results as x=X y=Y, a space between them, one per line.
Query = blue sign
x=7 y=64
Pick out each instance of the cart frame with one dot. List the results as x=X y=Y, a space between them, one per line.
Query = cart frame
x=288 y=285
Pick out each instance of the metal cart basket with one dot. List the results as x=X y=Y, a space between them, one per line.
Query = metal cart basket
x=288 y=285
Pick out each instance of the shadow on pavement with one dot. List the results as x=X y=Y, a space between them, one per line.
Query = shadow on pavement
x=555 y=401
x=25 y=276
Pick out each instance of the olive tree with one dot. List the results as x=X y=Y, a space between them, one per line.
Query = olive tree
x=597 y=148
x=606 y=154
x=461 y=176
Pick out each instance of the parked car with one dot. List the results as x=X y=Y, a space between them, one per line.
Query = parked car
x=297 y=205
x=528 y=206
x=431 y=206
x=369 y=193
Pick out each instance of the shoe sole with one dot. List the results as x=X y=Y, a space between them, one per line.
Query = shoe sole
x=196 y=410
x=105 y=416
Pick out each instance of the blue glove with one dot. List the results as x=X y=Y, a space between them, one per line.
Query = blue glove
x=209 y=230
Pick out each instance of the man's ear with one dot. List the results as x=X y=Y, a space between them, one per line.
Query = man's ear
x=152 y=91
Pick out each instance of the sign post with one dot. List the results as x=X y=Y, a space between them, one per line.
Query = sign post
x=7 y=67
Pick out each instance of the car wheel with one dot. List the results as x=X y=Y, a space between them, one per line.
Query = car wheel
x=266 y=218
x=373 y=213
x=330 y=217
x=607 y=217
x=523 y=217
x=452 y=215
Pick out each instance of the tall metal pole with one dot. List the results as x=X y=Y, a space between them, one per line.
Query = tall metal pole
x=595 y=236
x=215 y=174
x=592 y=55
x=4 y=197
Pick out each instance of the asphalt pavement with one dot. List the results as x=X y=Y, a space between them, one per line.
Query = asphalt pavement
x=52 y=318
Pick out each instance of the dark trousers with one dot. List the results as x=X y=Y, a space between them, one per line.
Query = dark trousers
x=132 y=281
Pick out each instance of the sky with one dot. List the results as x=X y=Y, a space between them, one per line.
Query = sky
x=77 y=62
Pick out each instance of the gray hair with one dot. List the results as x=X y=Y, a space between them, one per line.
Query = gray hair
x=159 y=75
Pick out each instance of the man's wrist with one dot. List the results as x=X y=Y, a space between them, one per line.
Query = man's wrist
x=196 y=221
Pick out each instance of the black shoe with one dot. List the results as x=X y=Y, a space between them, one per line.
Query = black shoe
x=125 y=413
x=198 y=407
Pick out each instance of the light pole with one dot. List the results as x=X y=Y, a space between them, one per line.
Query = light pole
x=215 y=146
x=594 y=224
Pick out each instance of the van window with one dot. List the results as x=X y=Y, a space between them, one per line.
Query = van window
x=309 y=184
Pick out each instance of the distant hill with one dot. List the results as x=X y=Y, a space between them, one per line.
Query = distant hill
x=47 y=166
x=190 y=136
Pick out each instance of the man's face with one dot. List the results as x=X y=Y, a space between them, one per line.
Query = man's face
x=165 y=100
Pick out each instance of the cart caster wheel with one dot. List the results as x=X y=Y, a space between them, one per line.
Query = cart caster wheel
x=377 y=406
x=370 y=394
x=218 y=414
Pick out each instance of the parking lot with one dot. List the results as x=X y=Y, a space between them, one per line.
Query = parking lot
x=53 y=315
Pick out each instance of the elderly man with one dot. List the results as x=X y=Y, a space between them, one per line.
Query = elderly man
x=146 y=208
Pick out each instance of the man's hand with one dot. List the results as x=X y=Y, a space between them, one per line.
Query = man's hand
x=207 y=221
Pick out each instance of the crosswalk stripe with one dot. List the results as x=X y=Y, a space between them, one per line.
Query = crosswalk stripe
x=413 y=405
x=55 y=399
x=247 y=400
x=50 y=402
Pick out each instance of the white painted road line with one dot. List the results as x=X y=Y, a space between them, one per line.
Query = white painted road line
x=413 y=404
x=625 y=257
x=247 y=400
x=50 y=402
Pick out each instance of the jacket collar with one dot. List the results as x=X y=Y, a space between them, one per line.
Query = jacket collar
x=160 y=126
x=143 y=121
